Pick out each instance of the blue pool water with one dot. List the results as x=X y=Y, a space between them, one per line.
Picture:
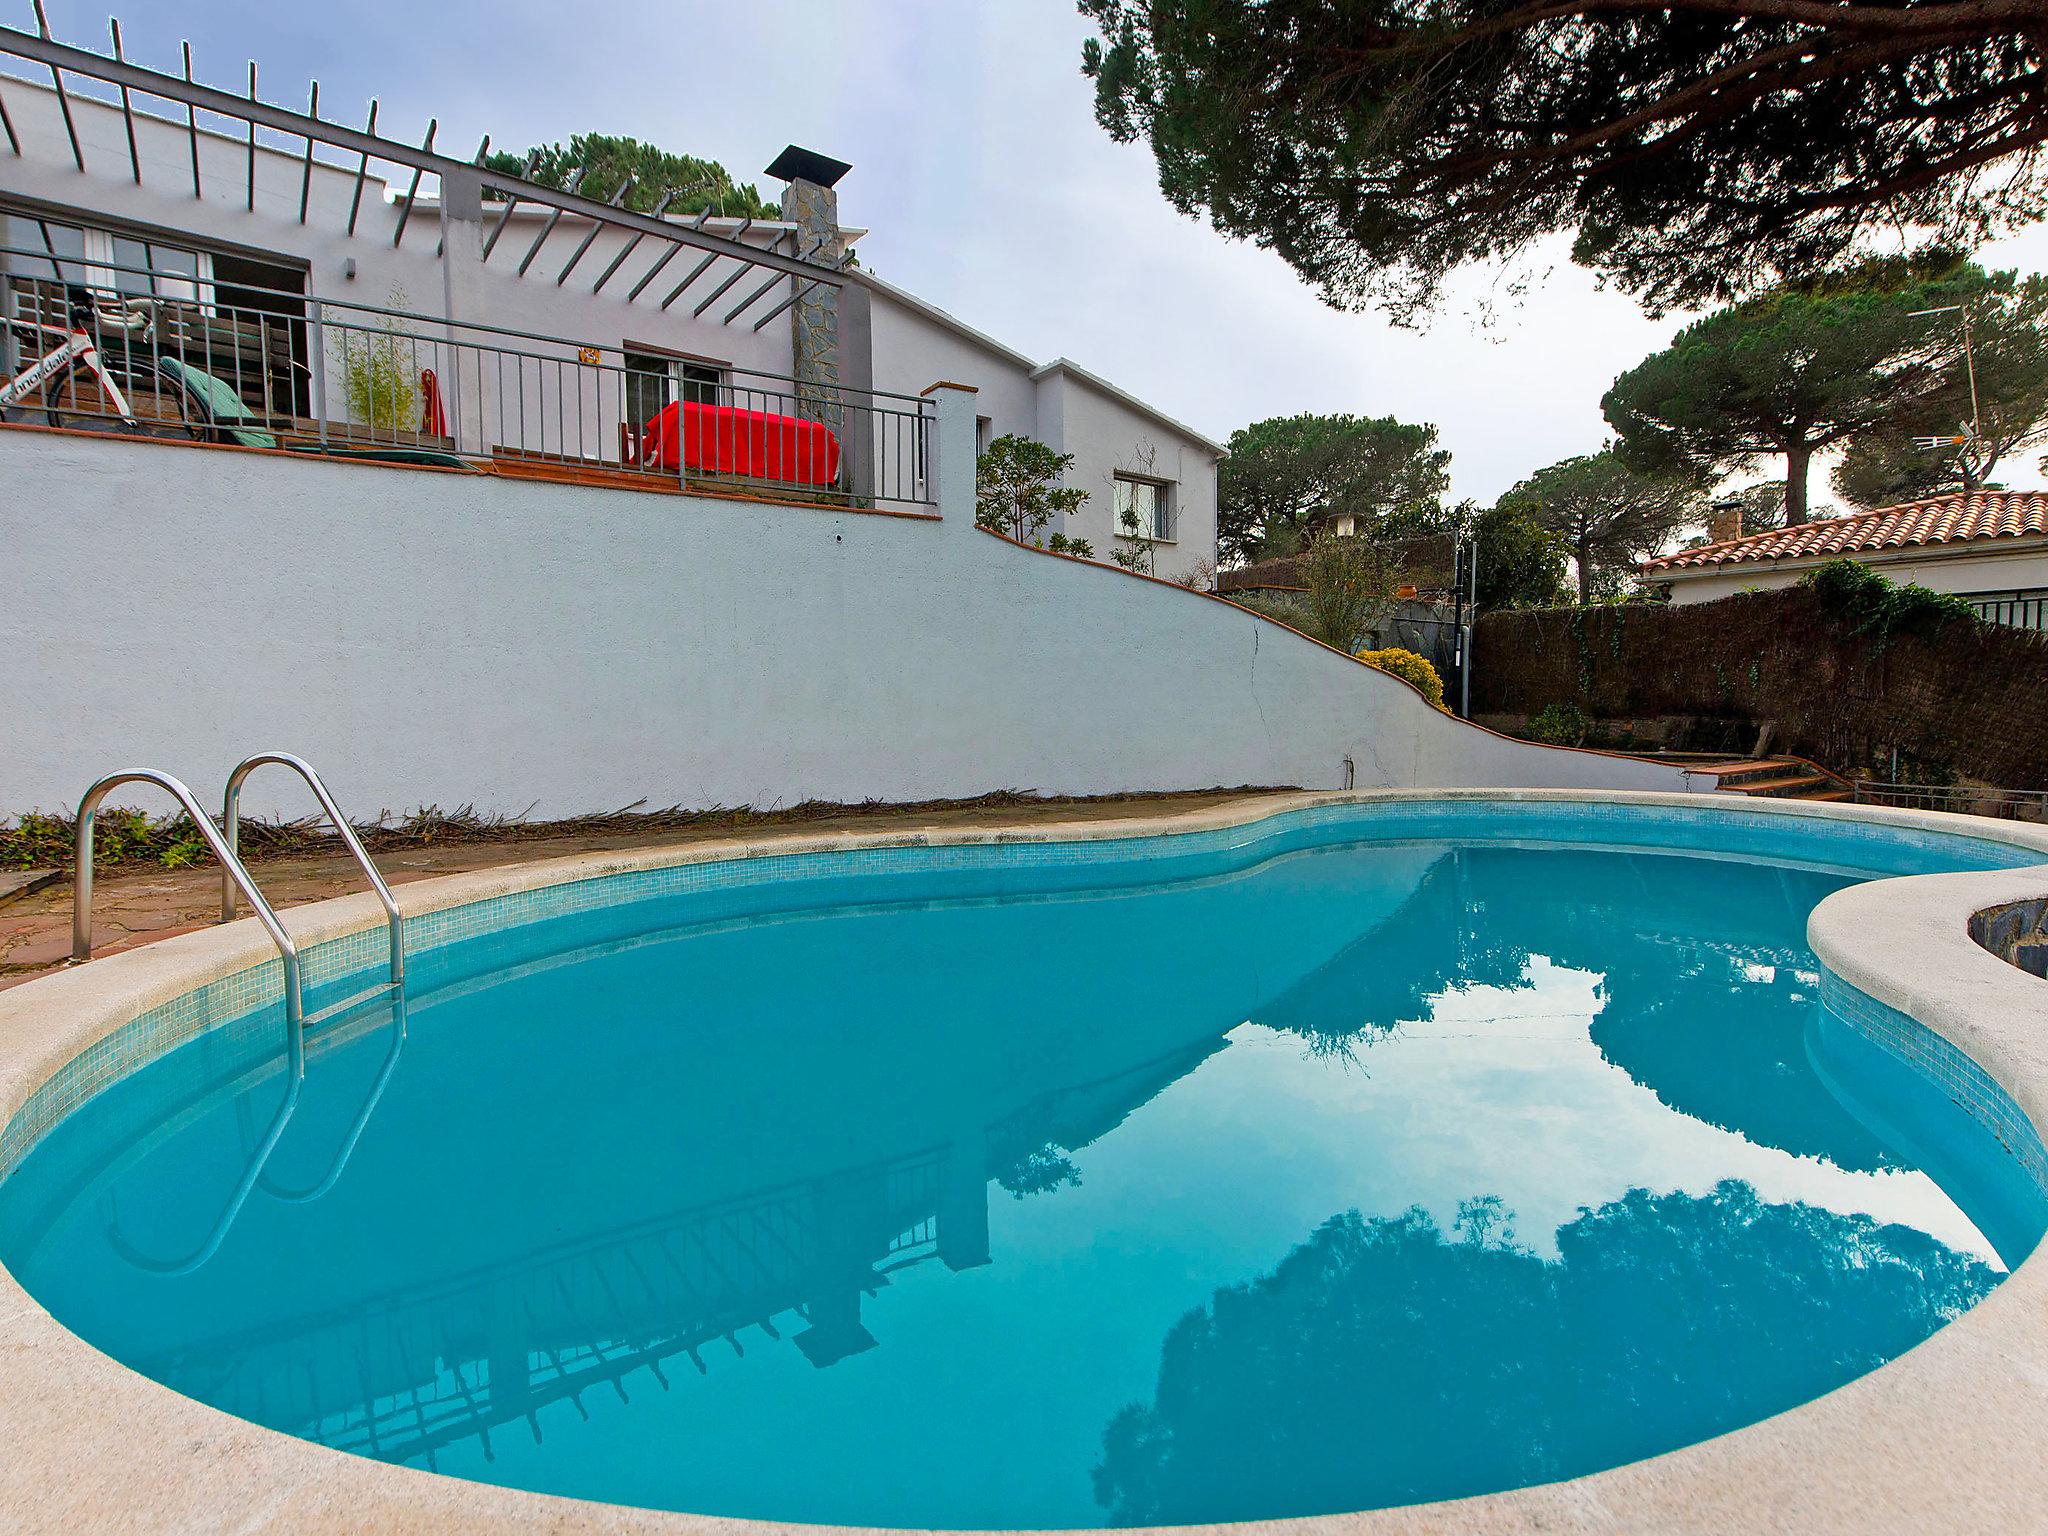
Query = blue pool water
x=1155 y=1185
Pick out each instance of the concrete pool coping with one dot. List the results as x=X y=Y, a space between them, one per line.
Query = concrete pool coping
x=1946 y=1436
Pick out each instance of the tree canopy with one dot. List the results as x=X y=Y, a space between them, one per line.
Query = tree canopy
x=606 y=161
x=1795 y=371
x=1018 y=490
x=1608 y=515
x=1521 y=562
x=1697 y=148
x=1284 y=472
x=2008 y=321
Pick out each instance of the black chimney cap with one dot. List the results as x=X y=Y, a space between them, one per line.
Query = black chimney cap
x=795 y=164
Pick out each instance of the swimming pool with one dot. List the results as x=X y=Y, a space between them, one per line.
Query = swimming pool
x=1358 y=1156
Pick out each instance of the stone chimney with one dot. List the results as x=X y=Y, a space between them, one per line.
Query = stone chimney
x=1724 y=521
x=810 y=203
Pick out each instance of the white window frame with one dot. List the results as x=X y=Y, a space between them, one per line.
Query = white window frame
x=97 y=261
x=1162 y=530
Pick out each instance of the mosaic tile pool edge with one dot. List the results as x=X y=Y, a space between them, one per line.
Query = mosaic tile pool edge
x=329 y=967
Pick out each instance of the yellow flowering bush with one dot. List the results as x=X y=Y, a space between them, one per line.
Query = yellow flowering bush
x=1410 y=668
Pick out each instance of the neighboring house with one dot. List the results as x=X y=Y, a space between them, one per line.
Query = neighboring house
x=556 y=327
x=1990 y=547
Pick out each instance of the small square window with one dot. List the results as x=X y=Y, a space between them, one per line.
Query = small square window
x=1143 y=509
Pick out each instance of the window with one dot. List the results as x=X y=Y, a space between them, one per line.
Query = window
x=653 y=379
x=984 y=434
x=1146 y=501
x=98 y=258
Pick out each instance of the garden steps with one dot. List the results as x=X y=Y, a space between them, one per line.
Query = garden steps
x=1777 y=778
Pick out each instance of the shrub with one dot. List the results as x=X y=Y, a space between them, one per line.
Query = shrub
x=1559 y=725
x=1017 y=489
x=380 y=373
x=1881 y=608
x=1350 y=586
x=1281 y=607
x=1410 y=668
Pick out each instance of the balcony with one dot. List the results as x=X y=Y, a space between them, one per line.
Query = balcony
x=110 y=346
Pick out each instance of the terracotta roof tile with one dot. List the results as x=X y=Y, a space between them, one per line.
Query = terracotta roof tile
x=1952 y=519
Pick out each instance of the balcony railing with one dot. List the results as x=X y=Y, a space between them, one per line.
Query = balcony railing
x=1970 y=799
x=262 y=368
x=2021 y=609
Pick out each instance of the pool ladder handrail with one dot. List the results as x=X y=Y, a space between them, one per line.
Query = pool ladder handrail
x=254 y=1176
x=232 y=872
x=230 y=819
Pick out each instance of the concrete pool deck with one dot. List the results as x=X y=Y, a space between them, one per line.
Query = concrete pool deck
x=1945 y=1437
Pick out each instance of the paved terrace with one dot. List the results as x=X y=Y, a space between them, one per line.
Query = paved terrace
x=136 y=906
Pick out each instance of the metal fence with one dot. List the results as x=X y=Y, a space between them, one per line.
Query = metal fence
x=1972 y=800
x=265 y=368
x=2027 y=609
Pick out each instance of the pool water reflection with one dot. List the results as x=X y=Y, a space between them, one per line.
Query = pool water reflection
x=1358 y=1176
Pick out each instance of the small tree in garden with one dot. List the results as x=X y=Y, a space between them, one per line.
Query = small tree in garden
x=380 y=375
x=1017 y=492
x=1350 y=586
x=1134 y=553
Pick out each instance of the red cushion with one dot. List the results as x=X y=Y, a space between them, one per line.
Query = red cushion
x=758 y=445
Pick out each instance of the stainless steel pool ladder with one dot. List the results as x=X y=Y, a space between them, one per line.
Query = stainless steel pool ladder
x=235 y=877
x=81 y=891
x=230 y=820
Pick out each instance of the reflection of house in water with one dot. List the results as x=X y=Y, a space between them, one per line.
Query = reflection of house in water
x=403 y=1376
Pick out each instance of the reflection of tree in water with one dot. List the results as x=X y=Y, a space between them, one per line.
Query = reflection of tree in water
x=1701 y=1002
x=1042 y=1168
x=1427 y=946
x=1384 y=1362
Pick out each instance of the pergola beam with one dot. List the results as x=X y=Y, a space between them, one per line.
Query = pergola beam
x=58 y=57
x=576 y=255
x=412 y=193
x=497 y=229
x=252 y=139
x=306 y=175
x=571 y=183
x=57 y=79
x=631 y=245
x=355 y=203
x=127 y=107
x=191 y=121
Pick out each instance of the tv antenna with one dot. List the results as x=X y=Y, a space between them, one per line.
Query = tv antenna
x=1968 y=442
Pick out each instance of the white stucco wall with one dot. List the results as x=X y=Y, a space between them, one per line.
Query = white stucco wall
x=912 y=349
x=1065 y=411
x=1105 y=436
x=437 y=638
x=2005 y=566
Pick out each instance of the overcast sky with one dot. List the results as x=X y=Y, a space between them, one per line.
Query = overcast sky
x=987 y=185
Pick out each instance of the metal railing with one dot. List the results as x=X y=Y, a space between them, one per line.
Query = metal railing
x=273 y=369
x=81 y=894
x=253 y=1175
x=230 y=821
x=1971 y=800
x=2019 y=609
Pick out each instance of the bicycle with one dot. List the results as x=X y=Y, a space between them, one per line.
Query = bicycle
x=77 y=354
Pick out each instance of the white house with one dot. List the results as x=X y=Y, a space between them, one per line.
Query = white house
x=1126 y=453
x=1990 y=547
x=555 y=327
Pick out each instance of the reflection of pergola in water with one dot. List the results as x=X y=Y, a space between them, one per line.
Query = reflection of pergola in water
x=403 y=1376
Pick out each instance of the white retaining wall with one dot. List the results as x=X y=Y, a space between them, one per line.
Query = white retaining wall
x=438 y=638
